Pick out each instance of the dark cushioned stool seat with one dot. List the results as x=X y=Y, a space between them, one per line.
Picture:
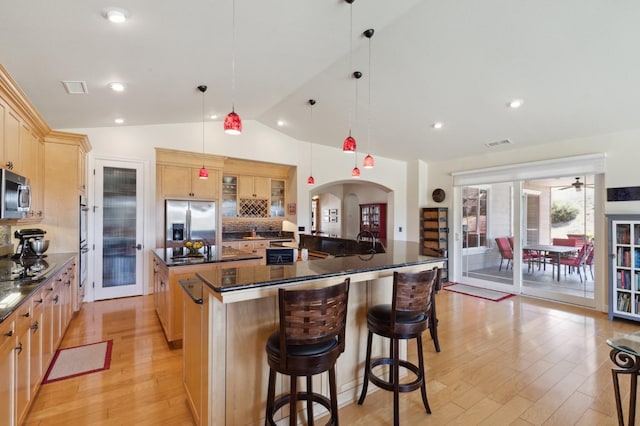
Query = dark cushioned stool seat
x=407 y=317
x=309 y=341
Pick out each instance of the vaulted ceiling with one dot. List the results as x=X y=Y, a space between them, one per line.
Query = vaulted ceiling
x=574 y=63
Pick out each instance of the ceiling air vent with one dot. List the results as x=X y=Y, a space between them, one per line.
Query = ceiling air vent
x=75 y=87
x=498 y=143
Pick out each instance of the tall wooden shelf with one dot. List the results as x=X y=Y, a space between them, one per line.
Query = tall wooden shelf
x=434 y=235
x=624 y=270
x=373 y=218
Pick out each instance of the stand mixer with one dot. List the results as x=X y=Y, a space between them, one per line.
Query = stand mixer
x=25 y=248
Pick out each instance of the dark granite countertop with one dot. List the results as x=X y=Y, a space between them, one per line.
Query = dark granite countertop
x=180 y=257
x=398 y=254
x=264 y=235
x=14 y=292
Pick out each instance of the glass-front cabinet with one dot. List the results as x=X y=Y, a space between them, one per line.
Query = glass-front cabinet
x=624 y=278
x=229 y=196
x=277 y=198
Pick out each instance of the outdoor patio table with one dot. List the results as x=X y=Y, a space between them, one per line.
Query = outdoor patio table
x=625 y=354
x=551 y=249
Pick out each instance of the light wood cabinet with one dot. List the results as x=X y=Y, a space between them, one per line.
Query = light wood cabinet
x=36 y=361
x=62 y=152
x=168 y=298
x=22 y=354
x=7 y=370
x=11 y=149
x=32 y=155
x=253 y=187
x=184 y=182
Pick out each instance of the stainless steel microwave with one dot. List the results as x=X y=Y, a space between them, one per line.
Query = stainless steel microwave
x=15 y=195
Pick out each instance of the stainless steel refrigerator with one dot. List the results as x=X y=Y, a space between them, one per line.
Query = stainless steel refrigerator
x=189 y=220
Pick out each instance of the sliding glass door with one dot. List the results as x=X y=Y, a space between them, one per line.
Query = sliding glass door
x=487 y=219
x=524 y=237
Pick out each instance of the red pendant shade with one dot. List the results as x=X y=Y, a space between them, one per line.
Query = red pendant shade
x=349 y=145
x=355 y=173
x=233 y=124
x=311 y=180
x=204 y=173
x=368 y=162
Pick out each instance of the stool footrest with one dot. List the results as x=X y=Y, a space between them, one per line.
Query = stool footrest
x=387 y=385
x=304 y=396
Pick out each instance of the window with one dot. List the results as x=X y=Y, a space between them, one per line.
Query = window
x=474 y=217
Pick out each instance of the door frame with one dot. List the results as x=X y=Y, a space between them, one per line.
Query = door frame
x=147 y=219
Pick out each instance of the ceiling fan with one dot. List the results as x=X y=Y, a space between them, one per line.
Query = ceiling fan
x=577 y=185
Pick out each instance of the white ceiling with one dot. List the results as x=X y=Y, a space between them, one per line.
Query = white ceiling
x=575 y=63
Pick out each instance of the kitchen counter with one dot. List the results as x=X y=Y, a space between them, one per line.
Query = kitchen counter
x=231 y=312
x=14 y=292
x=180 y=257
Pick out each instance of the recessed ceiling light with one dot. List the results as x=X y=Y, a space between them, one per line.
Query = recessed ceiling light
x=213 y=116
x=516 y=103
x=280 y=123
x=119 y=120
x=117 y=16
x=117 y=87
x=437 y=125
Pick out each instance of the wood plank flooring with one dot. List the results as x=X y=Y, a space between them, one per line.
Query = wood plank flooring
x=519 y=361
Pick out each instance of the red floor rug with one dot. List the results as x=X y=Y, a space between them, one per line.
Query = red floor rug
x=79 y=360
x=482 y=293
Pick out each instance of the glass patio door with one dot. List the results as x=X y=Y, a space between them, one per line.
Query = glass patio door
x=119 y=225
x=487 y=214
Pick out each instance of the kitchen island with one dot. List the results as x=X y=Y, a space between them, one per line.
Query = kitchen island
x=173 y=264
x=230 y=312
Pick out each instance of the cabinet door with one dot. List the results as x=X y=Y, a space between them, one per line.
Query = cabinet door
x=11 y=140
x=23 y=339
x=206 y=189
x=277 y=198
x=7 y=371
x=261 y=187
x=192 y=355
x=176 y=181
x=35 y=357
x=245 y=187
x=82 y=171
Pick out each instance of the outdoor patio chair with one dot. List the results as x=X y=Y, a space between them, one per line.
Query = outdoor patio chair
x=576 y=262
x=505 y=251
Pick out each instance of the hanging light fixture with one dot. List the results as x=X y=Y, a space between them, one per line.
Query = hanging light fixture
x=349 y=144
x=204 y=173
x=310 y=179
x=232 y=122
x=355 y=173
x=368 y=160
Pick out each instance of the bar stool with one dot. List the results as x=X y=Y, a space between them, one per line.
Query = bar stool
x=407 y=317
x=310 y=339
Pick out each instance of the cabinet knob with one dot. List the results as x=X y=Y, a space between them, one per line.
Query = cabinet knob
x=55 y=299
x=19 y=347
x=34 y=326
x=9 y=165
x=9 y=334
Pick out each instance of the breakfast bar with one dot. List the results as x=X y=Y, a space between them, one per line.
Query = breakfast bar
x=230 y=312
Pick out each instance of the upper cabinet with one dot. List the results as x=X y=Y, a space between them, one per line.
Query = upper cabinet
x=11 y=145
x=177 y=175
x=253 y=187
x=184 y=182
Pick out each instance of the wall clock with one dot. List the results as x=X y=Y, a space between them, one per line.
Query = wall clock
x=438 y=195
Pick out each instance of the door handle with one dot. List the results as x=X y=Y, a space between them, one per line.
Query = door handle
x=138 y=247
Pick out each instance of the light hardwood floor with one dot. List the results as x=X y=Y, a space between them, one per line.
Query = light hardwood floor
x=519 y=361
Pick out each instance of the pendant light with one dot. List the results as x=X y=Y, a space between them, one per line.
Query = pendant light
x=310 y=179
x=355 y=173
x=368 y=160
x=349 y=144
x=204 y=173
x=232 y=122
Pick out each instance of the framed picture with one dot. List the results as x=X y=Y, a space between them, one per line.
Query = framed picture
x=333 y=219
x=291 y=208
x=333 y=212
